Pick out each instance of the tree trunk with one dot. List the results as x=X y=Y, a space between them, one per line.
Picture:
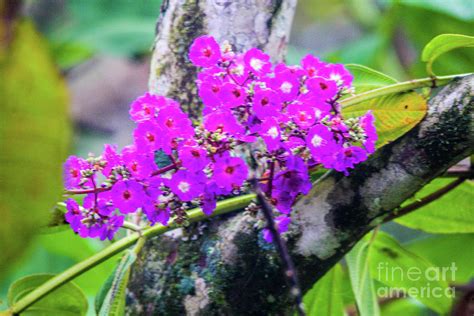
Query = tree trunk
x=223 y=266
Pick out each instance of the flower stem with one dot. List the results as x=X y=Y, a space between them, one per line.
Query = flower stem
x=195 y=215
x=399 y=87
x=290 y=272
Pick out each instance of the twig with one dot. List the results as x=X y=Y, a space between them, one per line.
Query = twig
x=290 y=271
x=425 y=200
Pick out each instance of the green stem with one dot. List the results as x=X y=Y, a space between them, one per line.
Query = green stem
x=195 y=215
x=399 y=87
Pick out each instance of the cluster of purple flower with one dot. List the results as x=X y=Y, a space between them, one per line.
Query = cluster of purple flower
x=292 y=112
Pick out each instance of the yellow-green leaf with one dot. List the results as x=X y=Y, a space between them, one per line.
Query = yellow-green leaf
x=395 y=114
x=441 y=44
x=34 y=136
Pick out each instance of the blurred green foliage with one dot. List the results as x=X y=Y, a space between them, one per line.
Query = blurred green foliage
x=115 y=27
x=34 y=138
x=393 y=33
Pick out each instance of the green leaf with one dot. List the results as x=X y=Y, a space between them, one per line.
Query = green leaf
x=442 y=44
x=452 y=213
x=324 y=298
x=446 y=250
x=358 y=263
x=111 y=297
x=395 y=114
x=400 y=269
x=34 y=138
x=66 y=300
x=366 y=79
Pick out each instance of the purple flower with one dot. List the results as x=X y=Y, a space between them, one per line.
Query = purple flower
x=204 y=51
x=209 y=91
x=269 y=130
x=148 y=137
x=338 y=73
x=257 y=61
x=283 y=200
x=367 y=122
x=239 y=72
x=73 y=168
x=111 y=158
x=282 y=222
x=348 y=157
x=174 y=124
x=323 y=88
x=229 y=172
x=146 y=107
x=320 y=141
x=286 y=84
x=138 y=164
x=294 y=179
x=266 y=103
x=186 y=185
x=312 y=65
x=128 y=195
x=193 y=158
x=155 y=214
x=232 y=95
x=102 y=205
x=223 y=121
x=74 y=214
x=110 y=226
x=303 y=114
x=208 y=202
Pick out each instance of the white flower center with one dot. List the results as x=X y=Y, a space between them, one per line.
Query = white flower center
x=256 y=64
x=316 y=140
x=273 y=132
x=184 y=186
x=317 y=113
x=286 y=87
x=335 y=77
x=238 y=70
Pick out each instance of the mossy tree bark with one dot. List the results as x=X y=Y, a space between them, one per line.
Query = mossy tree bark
x=223 y=267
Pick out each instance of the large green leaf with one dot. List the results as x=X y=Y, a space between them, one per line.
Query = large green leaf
x=395 y=114
x=111 y=297
x=358 y=263
x=446 y=251
x=324 y=298
x=34 y=136
x=366 y=79
x=66 y=300
x=452 y=213
x=442 y=44
x=403 y=270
